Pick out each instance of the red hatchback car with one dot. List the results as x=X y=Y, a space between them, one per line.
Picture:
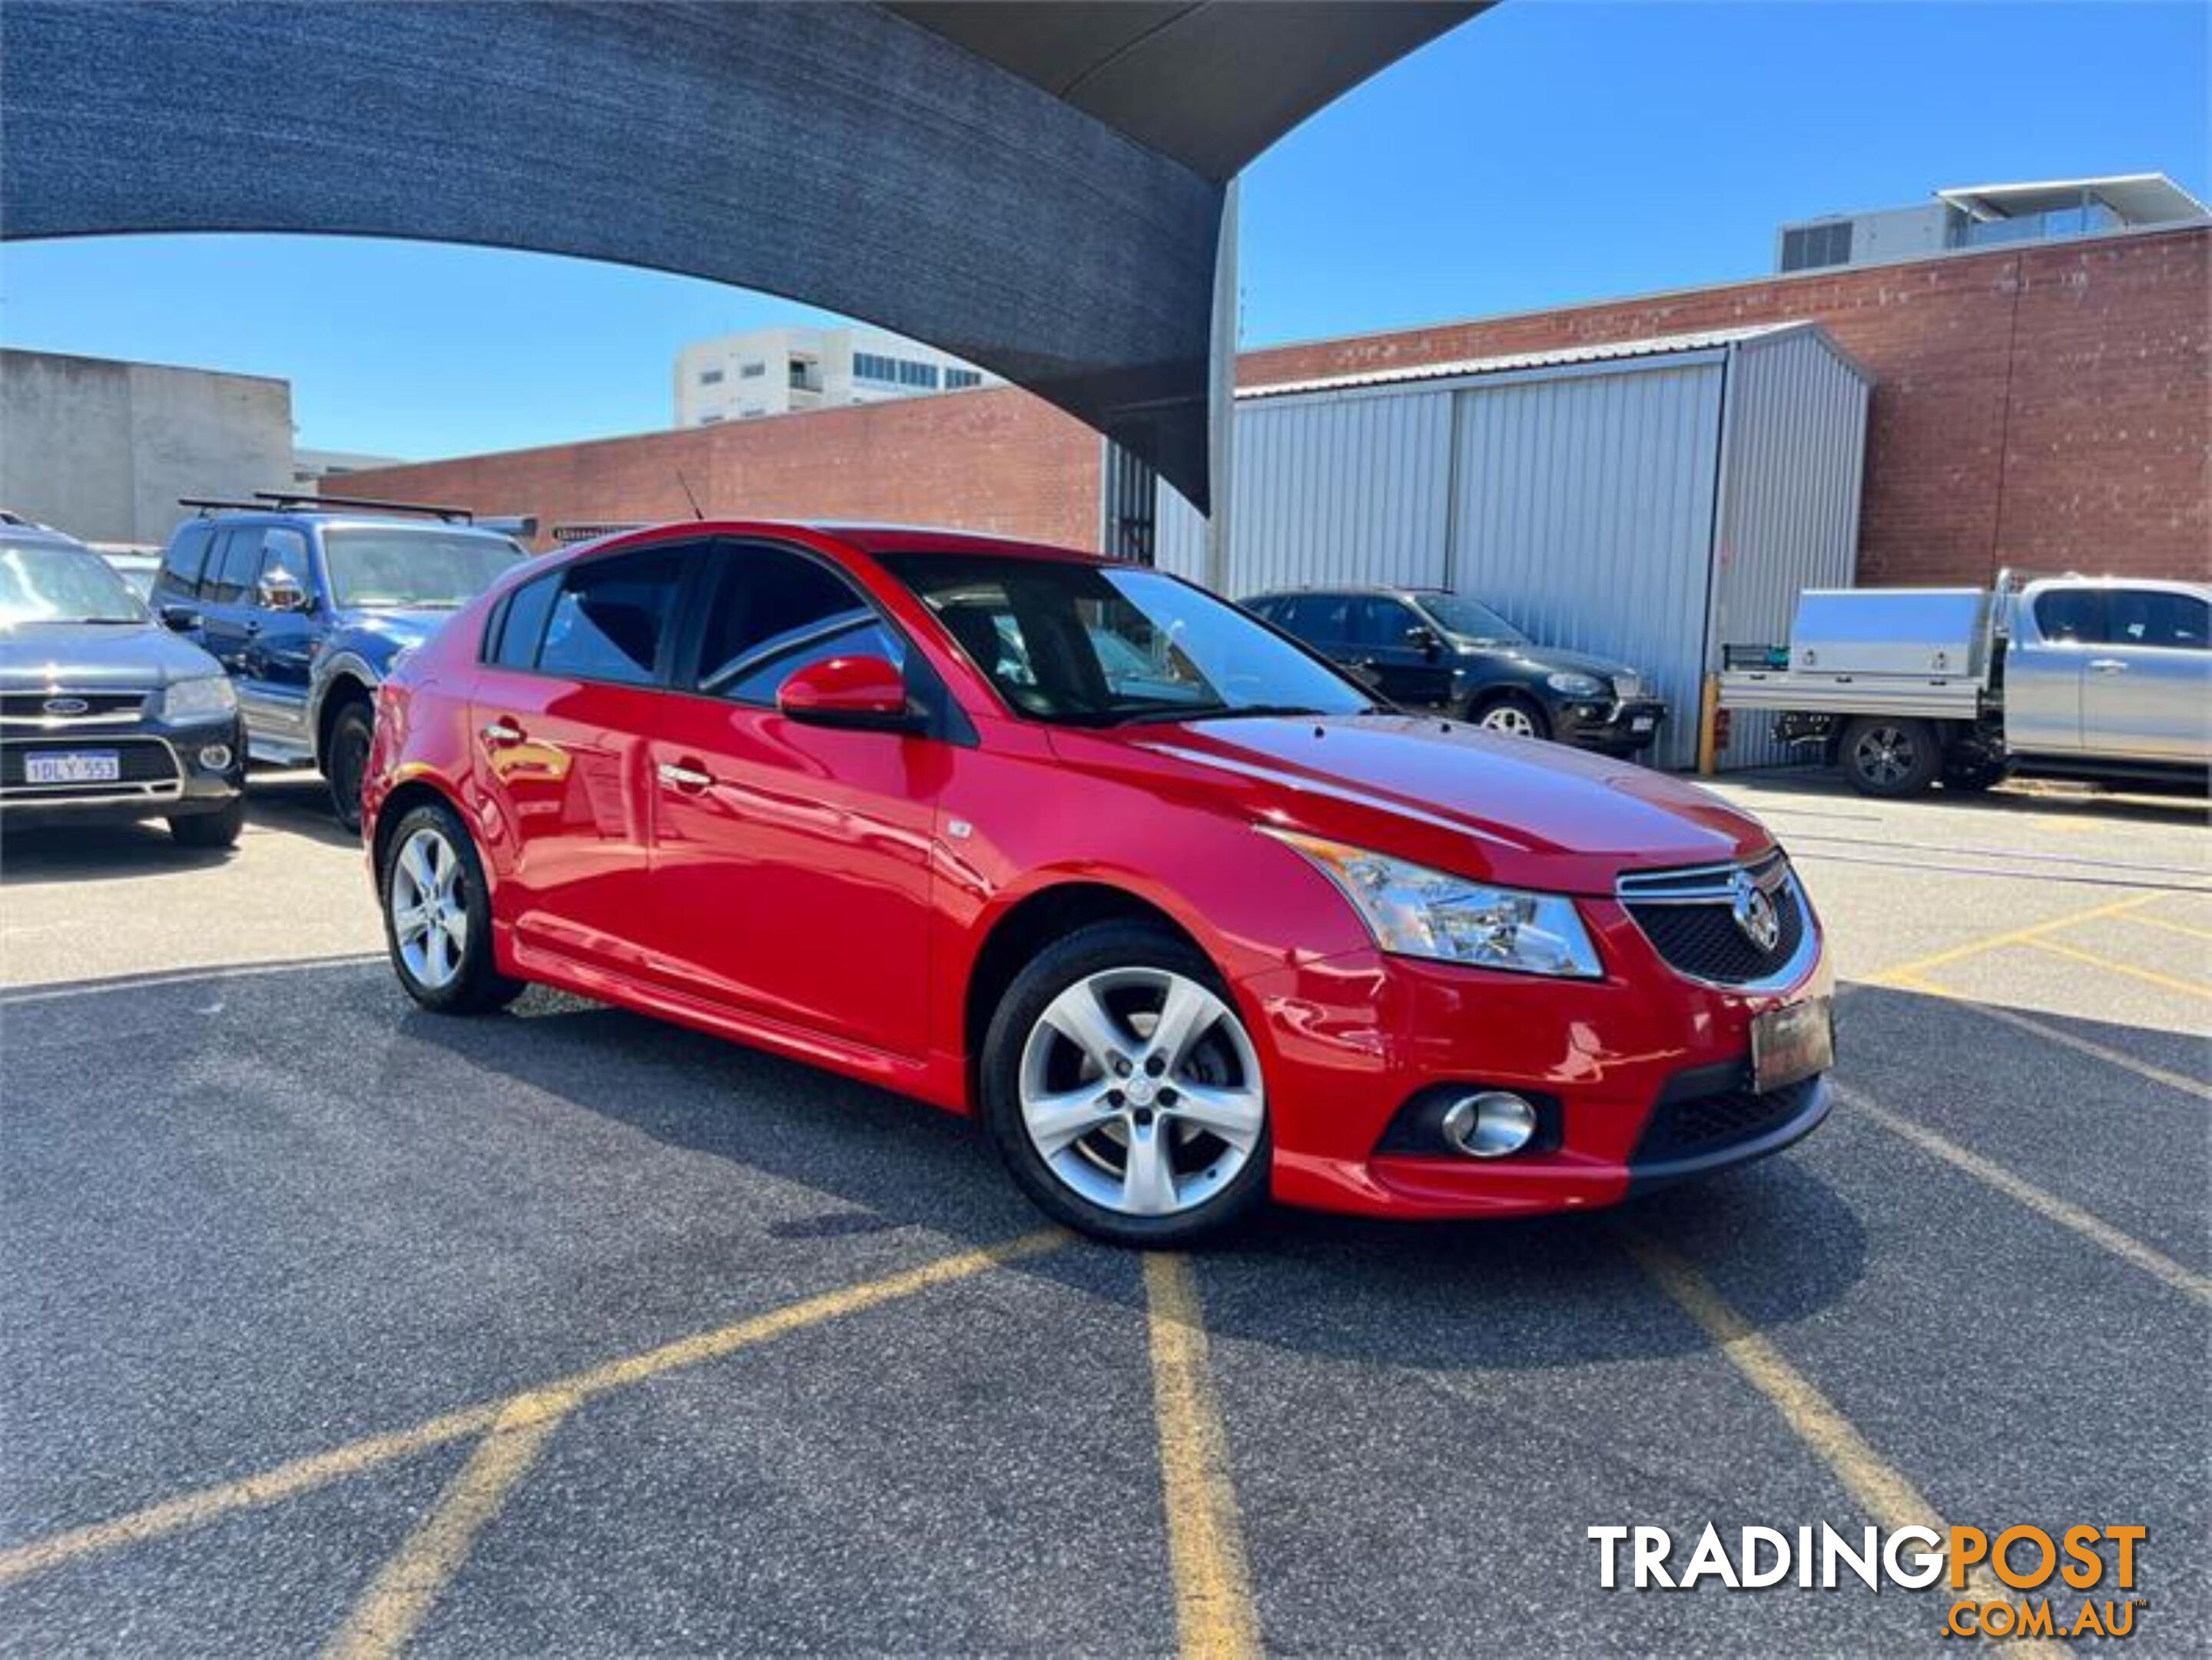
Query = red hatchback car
x=1177 y=907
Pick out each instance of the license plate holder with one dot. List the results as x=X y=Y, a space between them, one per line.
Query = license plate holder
x=1792 y=1043
x=1641 y=723
x=74 y=767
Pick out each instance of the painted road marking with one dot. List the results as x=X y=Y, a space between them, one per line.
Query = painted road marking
x=2109 y=965
x=2011 y=937
x=303 y=1474
x=2171 y=927
x=1215 y=1617
x=2055 y=1035
x=2094 y=1229
x=391 y=1610
x=1885 y=1491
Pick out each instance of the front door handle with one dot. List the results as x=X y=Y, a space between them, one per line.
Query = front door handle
x=499 y=733
x=2107 y=666
x=688 y=779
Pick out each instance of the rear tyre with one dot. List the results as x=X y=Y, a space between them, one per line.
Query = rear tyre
x=1889 y=757
x=351 y=735
x=1513 y=715
x=1122 y=1091
x=210 y=830
x=437 y=915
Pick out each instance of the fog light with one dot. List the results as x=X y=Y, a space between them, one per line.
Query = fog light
x=1489 y=1125
x=216 y=758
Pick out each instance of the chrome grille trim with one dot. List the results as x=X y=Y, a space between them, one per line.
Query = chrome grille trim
x=1707 y=884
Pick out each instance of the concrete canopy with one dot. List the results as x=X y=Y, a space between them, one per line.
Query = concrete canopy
x=1037 y=187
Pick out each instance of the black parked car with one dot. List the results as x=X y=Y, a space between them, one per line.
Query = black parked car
x=1424 y=648
x=104 y=714
x=307 y=601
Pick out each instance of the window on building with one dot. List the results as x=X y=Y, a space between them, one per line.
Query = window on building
x=777 y=612
x=874 y=366
x=752 y=371
x=1810 y=247
x=709 y=419
x=957 y=379
x=710 y=377
x=611 y=615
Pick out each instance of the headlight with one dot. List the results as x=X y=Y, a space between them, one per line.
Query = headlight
x=211 y=698
x=1417 y=912
x=1575 y=685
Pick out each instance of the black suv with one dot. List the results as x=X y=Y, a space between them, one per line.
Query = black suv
x=103 y=714
x=1424 y=648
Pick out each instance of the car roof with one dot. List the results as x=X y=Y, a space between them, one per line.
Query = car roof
x=866 y=538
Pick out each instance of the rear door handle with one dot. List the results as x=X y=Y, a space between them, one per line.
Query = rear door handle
x=2107 y=666
x=685 y=778
x=498 y=733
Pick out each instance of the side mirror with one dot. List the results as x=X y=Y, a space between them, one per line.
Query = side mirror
x=180 y=619
x=280 y=590
x=1421 y=637
x=864 y=694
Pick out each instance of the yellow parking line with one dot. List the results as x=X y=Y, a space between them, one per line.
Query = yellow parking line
x=2172 y=926
x=2094 y=1229
x=2051 y=1034
x=304 y=1475
x=1214 y=1614
x=2149 y=977
x=2034 y=931
x=392 y=1608
x=1885 y=1493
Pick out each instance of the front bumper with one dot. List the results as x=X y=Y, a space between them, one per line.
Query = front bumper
x=1611 y=728
x=163 y=773
x=1641 y=1078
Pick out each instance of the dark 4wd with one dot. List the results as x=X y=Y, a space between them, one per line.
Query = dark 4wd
x=308 y=601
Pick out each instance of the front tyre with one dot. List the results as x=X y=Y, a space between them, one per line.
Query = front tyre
x=437 y=915
x=351 y=735
x=1122 y=1091
x=1511 y=715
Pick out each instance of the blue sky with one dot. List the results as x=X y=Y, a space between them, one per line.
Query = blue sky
x=1550 y=151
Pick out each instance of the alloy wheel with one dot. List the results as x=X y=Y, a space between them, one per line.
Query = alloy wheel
x=1884 y=755
x=1510 y=719
x=429 y=908
x=1141 y=1090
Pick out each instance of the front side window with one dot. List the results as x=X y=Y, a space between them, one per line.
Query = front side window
x=610 y=618
x=56 y=583
x=283 y=554
x=777 y=612
x=2154 y=617
x=412 y=567
x=1320 y=616
x=237 y=563
x=2071 y=617
x=1383 y=622
x=1090 y=645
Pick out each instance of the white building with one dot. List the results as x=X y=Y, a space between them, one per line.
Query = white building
x=740 y=377
x=1985 y=215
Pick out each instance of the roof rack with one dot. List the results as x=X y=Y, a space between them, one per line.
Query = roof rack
x=286 y=500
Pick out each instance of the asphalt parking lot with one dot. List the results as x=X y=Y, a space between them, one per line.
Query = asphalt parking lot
x=330 y=1325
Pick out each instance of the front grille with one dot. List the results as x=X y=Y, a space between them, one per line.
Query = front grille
x=1713 y=1123
x=1690 y=918
x=109 y=707
x=148 y=767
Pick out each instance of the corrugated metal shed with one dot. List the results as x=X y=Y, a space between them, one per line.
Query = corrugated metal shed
x=1645 y=500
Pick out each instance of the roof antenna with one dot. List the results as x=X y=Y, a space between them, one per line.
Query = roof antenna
x=688 y=497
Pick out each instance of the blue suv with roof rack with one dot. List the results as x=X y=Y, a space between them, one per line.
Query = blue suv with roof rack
x=308 y=600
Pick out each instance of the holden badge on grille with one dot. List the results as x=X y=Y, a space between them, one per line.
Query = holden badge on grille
x=1755 y=913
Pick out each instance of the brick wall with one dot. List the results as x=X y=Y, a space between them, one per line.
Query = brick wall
x=2046 y=408
x=997 y=460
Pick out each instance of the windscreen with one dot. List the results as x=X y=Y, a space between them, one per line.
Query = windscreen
x=1470 y=619
x=42 y=583
x=1103 y=645
x=408 y=569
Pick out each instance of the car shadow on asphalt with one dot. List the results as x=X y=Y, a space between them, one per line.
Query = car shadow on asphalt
x=1534 y=1293
x=293 y=804
x=2088 y=802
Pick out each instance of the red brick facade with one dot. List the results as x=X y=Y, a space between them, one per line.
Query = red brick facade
x=2048 y=407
